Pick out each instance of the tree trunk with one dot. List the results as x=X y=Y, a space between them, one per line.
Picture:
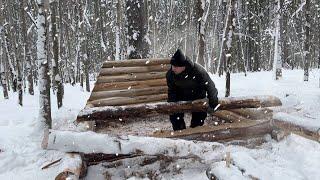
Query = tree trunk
x=307 y=54
x=3 y=80
x=57 y=81
x=277 y=62
x=201 y=31
x=137 y=30
x=44 y=78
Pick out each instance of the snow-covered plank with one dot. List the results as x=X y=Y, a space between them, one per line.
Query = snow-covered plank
x=136 y=62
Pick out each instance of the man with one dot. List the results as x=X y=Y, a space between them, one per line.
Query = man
x=188 y=81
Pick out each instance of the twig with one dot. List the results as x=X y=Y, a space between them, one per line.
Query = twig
x=50 y=164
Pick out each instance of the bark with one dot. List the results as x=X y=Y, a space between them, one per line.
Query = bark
x=126 y=112
x=3 y=80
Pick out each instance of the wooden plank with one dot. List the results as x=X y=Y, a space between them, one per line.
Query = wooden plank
x=129 y=85
x=128 y=93
x=136 y=69
x=118 y=101
x=131 y=77
x=110 y=113
x=136 y=62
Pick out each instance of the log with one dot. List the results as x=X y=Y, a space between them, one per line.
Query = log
x=128 y=93
x=129 y=85
x=109 y=113
x=229 y=116
x=136 y=62
x=117 y=101
x=91 y=142
x=254 y=113
x=290 y=127
x=72 y=167
x=136 y=69
x=132 y=77
x=222 y=133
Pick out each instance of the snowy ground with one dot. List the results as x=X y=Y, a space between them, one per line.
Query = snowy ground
x=293 y=158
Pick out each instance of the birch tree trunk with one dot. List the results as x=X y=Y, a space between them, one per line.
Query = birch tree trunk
x=44 y=82
x=228 y=36
x=118 y=19
x=277 y=63
x=307 y=54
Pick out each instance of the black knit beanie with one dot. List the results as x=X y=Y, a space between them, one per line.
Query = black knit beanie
x=178 y=59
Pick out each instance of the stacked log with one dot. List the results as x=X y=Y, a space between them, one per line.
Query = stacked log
x=130 y=82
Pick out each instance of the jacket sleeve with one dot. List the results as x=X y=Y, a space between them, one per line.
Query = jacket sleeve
x=172 y=90
x=209 y=86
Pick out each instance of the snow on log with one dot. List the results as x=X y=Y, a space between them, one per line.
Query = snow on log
x=136 y=62
x=109 y=113
x=72 y=167
x=90 y=142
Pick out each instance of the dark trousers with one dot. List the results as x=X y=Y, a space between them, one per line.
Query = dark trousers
x=178 y=123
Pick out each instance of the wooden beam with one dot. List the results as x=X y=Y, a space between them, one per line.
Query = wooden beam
x=132 y=77
x=136 y=62
x=128 y=93
x=129 y=85
x=110 y=113
x=136 y=69
x=118 y=101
